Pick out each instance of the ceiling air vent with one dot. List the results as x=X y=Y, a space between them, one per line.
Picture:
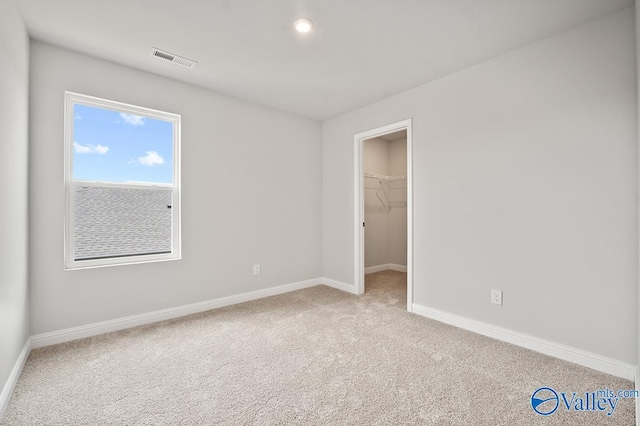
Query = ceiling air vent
x=173 y=58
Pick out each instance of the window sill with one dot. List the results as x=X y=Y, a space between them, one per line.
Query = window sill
x=119 y=261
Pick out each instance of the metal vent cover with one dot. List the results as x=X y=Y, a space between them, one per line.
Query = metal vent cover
x=180 y=60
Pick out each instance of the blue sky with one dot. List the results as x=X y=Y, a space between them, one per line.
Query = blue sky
x=111 y=146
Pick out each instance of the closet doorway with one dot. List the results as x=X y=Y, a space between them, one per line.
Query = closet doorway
x=383 y=203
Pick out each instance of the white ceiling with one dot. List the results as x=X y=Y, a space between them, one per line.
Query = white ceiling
x=361 y=51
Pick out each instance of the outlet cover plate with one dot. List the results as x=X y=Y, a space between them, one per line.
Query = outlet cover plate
x=496 y=297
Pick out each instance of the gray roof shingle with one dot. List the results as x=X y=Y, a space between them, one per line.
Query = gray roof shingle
x=111 y=222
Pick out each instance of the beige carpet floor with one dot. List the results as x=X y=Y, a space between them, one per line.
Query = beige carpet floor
x=314 y=356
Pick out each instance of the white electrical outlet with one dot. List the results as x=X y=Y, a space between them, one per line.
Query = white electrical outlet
x=256 y=269
x=496 y=297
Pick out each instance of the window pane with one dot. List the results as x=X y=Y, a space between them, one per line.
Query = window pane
x=113 y=222
x=110 y=146
x=122 y=183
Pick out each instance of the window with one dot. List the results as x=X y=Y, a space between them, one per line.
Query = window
x=122 y=183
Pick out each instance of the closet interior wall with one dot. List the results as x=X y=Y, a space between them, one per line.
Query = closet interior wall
x=385 y=237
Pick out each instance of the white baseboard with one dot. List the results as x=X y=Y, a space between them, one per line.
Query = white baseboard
x=61 y=336
x=377 y=268
x=349 y=288
x=396 y=267
x=385 y=267
x=587 y=359
x=566 y=353
x=10 y=385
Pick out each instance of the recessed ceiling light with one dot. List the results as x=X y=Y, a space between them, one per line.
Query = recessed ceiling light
x=303 y=25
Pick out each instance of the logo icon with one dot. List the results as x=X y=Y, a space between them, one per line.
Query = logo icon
x=545 y=401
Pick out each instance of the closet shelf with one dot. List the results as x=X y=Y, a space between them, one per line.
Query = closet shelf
x=384 y=177
x=382 y=192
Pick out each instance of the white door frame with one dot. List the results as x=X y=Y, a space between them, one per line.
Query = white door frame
x=358 y=182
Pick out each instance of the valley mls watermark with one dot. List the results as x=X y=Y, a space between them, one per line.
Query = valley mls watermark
x=546 y=401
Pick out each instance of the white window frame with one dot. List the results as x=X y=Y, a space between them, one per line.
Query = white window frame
x=70 y=263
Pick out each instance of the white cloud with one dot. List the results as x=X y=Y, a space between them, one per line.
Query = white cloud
x=134 y=120
x=151 y=159
x=77 y=117
x=90 y=149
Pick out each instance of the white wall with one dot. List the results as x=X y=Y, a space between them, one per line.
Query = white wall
x=637 y=22
x=14 y=109
x=251 y=193
x=375 y=159
x=525 y=180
